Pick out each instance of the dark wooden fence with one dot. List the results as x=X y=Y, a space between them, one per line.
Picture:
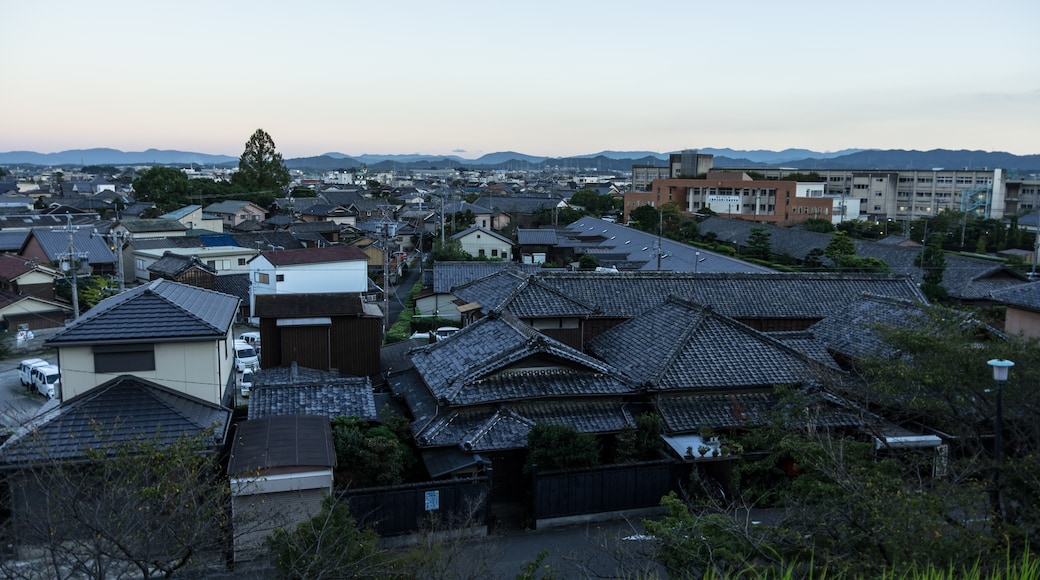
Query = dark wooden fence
x=606 y=488
x=403 y=509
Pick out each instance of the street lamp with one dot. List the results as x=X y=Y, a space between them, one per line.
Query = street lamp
x=1000 y=376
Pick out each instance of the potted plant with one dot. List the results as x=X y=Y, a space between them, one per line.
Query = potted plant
x=703 y=450
x=689 y=452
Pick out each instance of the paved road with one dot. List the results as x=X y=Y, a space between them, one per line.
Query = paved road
x=17 y=404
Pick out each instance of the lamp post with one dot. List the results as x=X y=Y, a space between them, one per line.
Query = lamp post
x=1000 y=376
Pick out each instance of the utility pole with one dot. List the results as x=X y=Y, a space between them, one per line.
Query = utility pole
x=71 y=258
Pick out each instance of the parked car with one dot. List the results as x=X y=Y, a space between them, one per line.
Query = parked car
x=245 y=357
x=251 y=338
x=420 y=336
x=27 y=365
x=246 y=382
x=444 y=332
x=46 y=379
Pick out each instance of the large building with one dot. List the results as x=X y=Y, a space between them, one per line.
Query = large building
x=867 y=194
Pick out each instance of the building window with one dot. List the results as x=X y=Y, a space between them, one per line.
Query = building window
x=124 y=358
x=494 y=252
x=263 y=278
x=241 y=261
x=279 y=278
x=481 y=252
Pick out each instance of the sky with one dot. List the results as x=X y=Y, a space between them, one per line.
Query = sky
x=554 y=79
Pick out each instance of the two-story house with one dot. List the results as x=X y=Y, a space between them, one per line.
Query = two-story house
x=235 y=213
x=307 y=271
x=173 y=334
x=193 y=219
x=481 y=242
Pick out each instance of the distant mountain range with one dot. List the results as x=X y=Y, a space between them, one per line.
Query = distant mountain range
x=607 y=161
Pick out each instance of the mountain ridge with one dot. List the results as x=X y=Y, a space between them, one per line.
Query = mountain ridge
x=800 y=159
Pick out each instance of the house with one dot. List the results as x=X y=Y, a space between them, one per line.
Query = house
x=29 y=312
x=27 y=278
x=194 y=219
x=1022 y=314
x=173 y=334
x=435 y=300
x=184 y=269
x=324 y=331
x=481 y=242
x=122 y=412
x=234 y=213
x=281 y=470
x=308 y=271
x=89 y=253
x=149 y=228
x=223 y=260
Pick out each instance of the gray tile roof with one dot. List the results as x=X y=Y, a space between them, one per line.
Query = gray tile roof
x=772 y=295
x=55 y=243
x=120 y=411
x=136 y=226
x=1024 y=296
x=680 y=346
x=300 y=391
x=175 y=264
x=283 y=441
x=965 y=278
x=629 y=248
x=181 y=212
x=491 y=428
x=485 y=362
x=686 y=413
x=538 y=237
x=853 y=331
x=234 y=285
x=447 y=275
x=162 y=310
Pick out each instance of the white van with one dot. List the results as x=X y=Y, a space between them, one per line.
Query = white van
x=27 y=365
x=245 y=357
x=251 y=338
x=246 y=382
x=46 y=379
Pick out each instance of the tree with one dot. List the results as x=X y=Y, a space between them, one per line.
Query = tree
x=260 y=168
x=148 y=507
x=329 y=545
x=818 y=225
x=932 y=260
x=759 y=244
x=368 y=455
x=840 y=246
x=166 y=187
x=553 y=447
x=588 y=261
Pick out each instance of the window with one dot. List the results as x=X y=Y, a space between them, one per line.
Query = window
x=263 y=278
x=494 y=252
x=241 y=261
x=124 y=358
x=279 y=278
x=481 y=252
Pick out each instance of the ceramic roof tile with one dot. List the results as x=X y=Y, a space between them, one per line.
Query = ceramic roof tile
x=121 y=410
x=1025 y=296
x=160 y=310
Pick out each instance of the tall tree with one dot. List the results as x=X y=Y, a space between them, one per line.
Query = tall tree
x=261 y=168
x=166 y=187
x=759 y=243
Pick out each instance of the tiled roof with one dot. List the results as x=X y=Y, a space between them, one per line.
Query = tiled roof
x=479 y=364
x=687 y=413
x=122 y=410
x=181 y=212
x=161 y=243
x=772 y=295
x=55 y=243
x=11 y=241
x=448 y=275
x=522 y=295
x=175 y=264
x=265 y=240
x=681 y=346
x=492 y=290
x=538 y=237
x=158 y=311
x=313 y=304
x=490 y=428
x=1024 y=296
x=226 y=207
x=964 y=277
x=233 y=284
x=629 y=248
x=515 y=204
x=301 y=256
x=292 y=391
x=853 y=330
x=152 y=225
x=12 y=267
x=282 y=442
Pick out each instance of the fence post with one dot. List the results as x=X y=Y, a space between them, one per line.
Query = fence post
x=534 y=496
x=488 y=473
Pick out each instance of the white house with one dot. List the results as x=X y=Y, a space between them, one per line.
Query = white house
x=192 y=217
x=483 y=243
x=307 y=271
x=224 y=259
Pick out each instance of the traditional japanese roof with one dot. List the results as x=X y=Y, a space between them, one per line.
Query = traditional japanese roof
x=448 y=275
x=171 y=264
x=537 y=237
x=491 y=428
x=140 y=226
x=162 y=310
x=300 y=391
x=181 y=212
x=680 y=346
x=55 y=244
x=1023 y=296
x=686 y=413
x=11 y=267
x=500 y=359
x=120 y=411
x=522 y=295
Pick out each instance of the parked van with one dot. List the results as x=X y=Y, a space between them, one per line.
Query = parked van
x=46 y=379
x=27 y=365
x=245 y=357
x=252 y=339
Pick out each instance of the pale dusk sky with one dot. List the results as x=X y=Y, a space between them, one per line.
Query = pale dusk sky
x=541 y=78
